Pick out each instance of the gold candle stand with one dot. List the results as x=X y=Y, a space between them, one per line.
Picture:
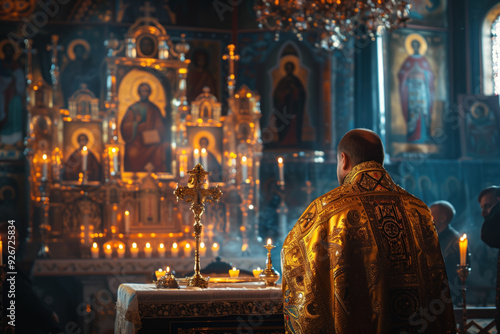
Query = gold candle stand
x=269 y=275
x=197 y=195
x=463 y=272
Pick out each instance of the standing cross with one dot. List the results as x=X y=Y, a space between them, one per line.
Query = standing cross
x=197 y=195
x=231 y=57
x=147 y=9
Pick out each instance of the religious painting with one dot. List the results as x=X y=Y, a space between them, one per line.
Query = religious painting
x=429 y=13
x=12 y=100
x=418 y=91
x=480 y=130
x=82 y=151
x=144 y=123
x=207 y=150
x=80 y=70
x=204 y=69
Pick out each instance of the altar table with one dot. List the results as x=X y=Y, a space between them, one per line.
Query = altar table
x=248 y=307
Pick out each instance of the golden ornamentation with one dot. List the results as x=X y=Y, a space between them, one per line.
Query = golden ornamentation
x=195 y=194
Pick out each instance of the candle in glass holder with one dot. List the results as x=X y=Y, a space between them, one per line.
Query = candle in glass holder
x=148 y=251
x=161 y=250
x=463 y=249
x=120 y=251
x=215 y=249
x=203 y=249
x=108 y=251
x=159 y=273
x=257 y=272
x=95 y=251
x=187 y=250
x=134 y=251
x=234 y=272
x=174 y=250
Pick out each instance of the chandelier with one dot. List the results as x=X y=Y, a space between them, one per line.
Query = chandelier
x=335 y=20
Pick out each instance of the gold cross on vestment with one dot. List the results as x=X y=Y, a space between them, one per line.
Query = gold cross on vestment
x=197 y=195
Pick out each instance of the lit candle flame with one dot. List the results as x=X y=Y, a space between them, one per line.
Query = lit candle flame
x=134 y=245
x=148 y=245
x=174 y=245
x=168 y=269
x=94 y=245
x=202 y=245
x=188 y=246
x=108 y=247
x=162 y=246
x=120 y=246
x=280 y=160
x=269 y=241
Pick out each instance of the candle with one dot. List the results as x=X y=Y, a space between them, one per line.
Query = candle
x=244 y=169
x=108 y=251
x=463 y=249
x=134 y=251
x=85 y=154
x=95 y=251
x=148 y=250
x=215 y=249
x=282 y=171
x=203 y=249
x=196 y=156
x=168 y=270
x=127 y=222
x=269 y=241
x=234 y=272
x=120 y=251
x=257 y=272
x=114 y=153
x=183 y=161
x=204 y=157
x=161 y=250
x=187 y=250
x=44 y=167
x=159 y=273
x=174 y=250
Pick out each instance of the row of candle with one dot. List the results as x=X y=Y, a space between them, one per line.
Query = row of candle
x=148 y=250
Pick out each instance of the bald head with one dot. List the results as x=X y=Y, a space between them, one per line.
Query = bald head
x=442 y=214
x=357 y=146
x=362 y=145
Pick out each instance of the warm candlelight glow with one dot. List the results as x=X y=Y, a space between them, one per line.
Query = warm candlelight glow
x=168 y=269
x=215 y=249
x=187 y=250
x=175 y=249
x=159 y=273
x=281 y=171
x=463 y=249
x=269 y=241
x=120 y=251
x=84 y=158
x=280 y=160
x=134 y=251
x=148 y=251
x=108 y=251
x=44 y=166
x=244 y=169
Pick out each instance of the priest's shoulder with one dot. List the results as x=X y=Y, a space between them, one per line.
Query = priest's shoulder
x=412 y=199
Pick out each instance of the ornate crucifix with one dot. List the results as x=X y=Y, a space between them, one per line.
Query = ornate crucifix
x=197 y=195
x=231 y=57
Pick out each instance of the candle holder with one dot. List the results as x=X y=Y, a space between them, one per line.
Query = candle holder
x=269 y=275
x=168 y=281
x=463 y=273
x=195 y=194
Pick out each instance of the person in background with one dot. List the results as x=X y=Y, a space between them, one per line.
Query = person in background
x=365 y=257
x=449 y=238
x=489 y=199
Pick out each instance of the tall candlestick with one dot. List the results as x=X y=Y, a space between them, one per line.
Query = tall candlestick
x=148 y=251
x=44 y=167
x=196 y=155
x=174 y=250
x=108 y=251
x=120 y=251
x=85 y=154
x=204 y=157
x=244 y=169
x=161 y=250
x=203 y=249
x=127 y=221
x=215 y=249
x=134 y=251
x=282 y=171
x=114 y=153
x=95 y=251
x=463 y=249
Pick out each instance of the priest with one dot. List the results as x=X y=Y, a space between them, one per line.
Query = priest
x=365 y=257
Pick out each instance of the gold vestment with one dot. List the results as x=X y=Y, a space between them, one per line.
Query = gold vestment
x=365 y=258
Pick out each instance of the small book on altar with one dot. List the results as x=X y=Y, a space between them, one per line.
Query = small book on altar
x=150 y=137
